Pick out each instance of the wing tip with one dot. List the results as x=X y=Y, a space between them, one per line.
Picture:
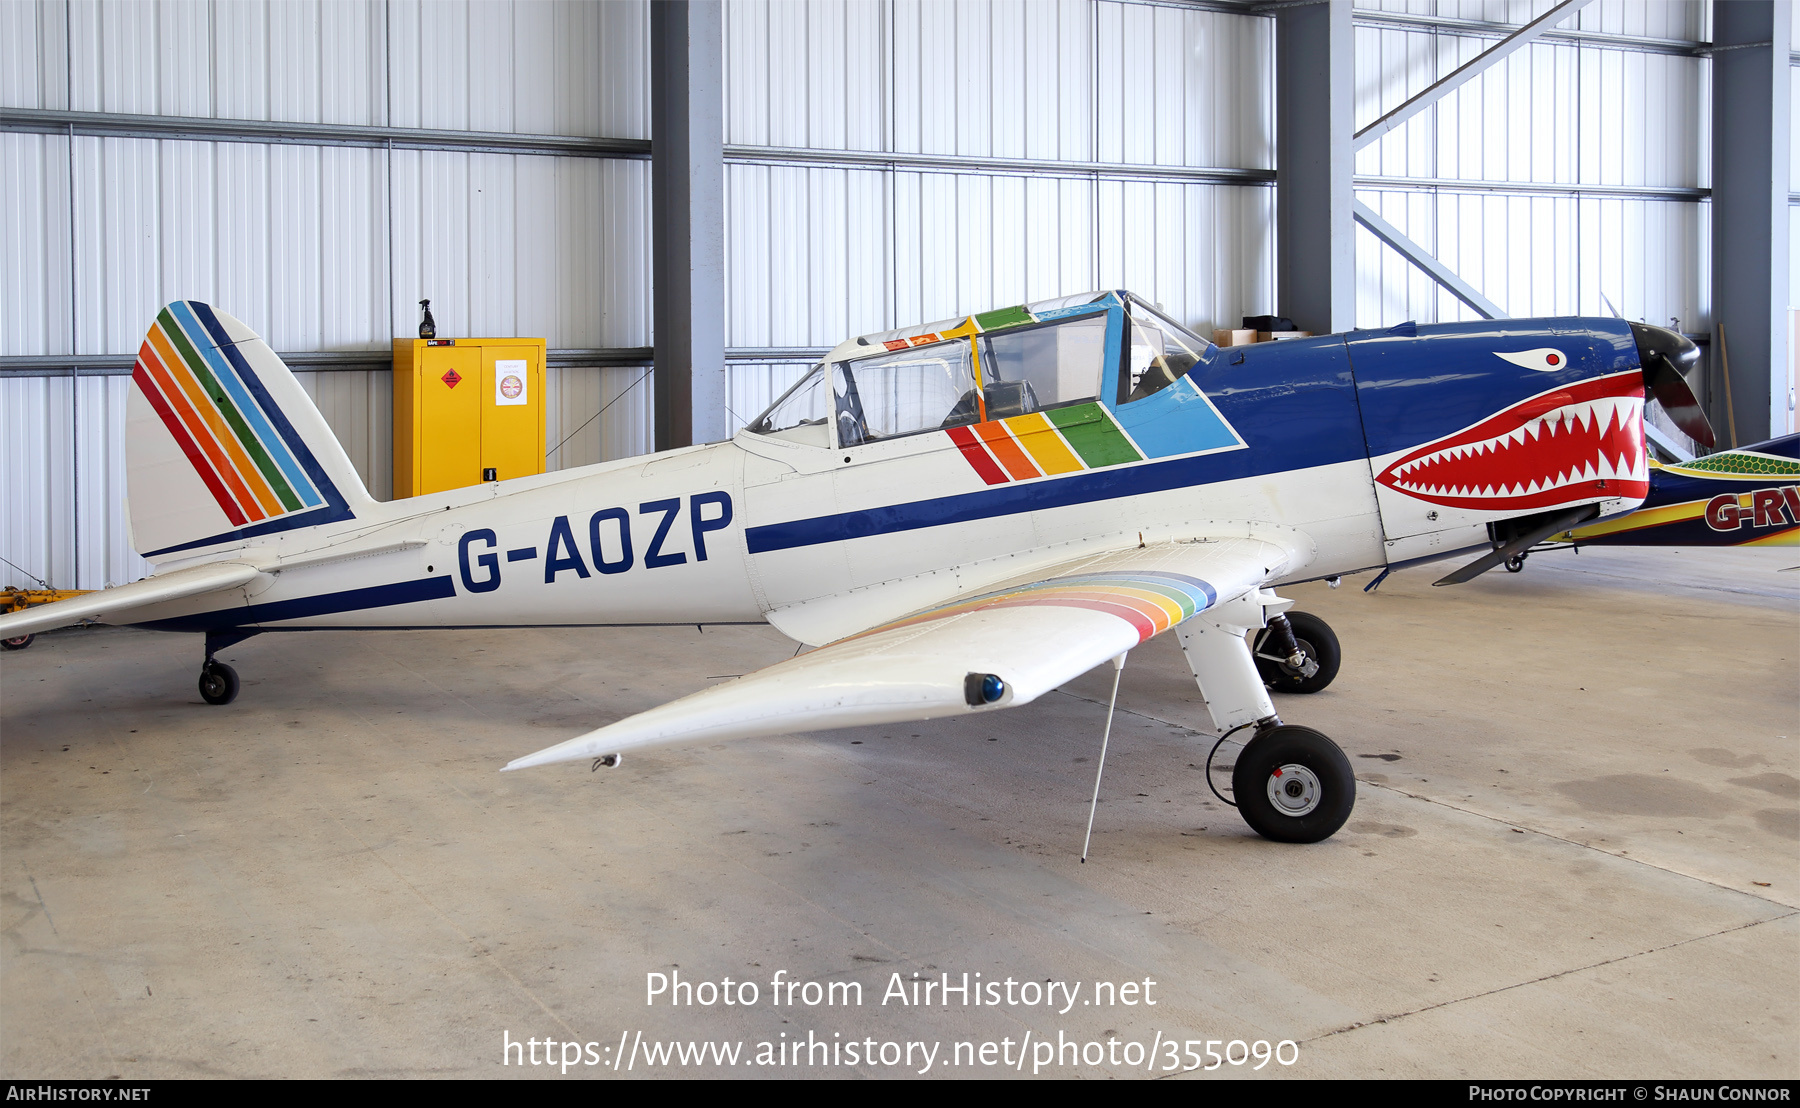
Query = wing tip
x=569 y=750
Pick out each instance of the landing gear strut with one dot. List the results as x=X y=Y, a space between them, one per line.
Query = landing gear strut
x=1297 y=653
x=218 y=681
x=1291 y=783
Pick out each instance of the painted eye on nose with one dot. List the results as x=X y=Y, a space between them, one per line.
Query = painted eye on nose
x=1545 y=359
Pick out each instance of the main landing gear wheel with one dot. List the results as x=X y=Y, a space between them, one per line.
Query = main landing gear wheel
x=218 y=683
x=1516 y=563
x=19 y=643
x=1293 y=785
x=1315 y=639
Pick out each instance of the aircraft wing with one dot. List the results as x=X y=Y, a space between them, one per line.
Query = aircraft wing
x=113 y=602
x=1032 y=634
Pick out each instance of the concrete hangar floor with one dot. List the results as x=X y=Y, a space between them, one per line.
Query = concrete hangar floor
x=1573 y=854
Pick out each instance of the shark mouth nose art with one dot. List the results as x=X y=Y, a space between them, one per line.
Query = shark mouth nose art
x=1578 y=442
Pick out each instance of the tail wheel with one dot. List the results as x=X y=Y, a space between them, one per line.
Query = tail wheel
x=19 y=643
x=1293 y=785
x=1316 y=640
x=218 y=683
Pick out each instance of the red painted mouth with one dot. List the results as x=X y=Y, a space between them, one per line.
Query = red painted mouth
x=1578 y=442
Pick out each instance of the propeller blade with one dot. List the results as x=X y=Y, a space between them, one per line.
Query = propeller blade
x=1540 y=528
x=1667 y=357
x=1671 y=391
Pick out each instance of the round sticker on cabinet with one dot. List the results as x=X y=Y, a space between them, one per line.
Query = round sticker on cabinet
x=509 y=382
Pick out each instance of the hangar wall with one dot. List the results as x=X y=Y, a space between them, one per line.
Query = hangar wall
x=887 y=163
x=318 y=247
x=1575 y=169
x=897 y=163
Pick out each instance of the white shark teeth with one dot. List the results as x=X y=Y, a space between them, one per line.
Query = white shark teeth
x=1609 y=421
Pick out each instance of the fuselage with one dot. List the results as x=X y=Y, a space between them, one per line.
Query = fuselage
x=1375 y=447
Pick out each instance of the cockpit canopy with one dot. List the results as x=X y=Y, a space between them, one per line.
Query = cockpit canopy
x=985 y=367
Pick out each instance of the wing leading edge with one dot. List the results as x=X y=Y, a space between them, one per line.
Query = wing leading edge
x=1034 y=634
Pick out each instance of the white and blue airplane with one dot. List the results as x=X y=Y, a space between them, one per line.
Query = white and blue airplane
x=959 y=516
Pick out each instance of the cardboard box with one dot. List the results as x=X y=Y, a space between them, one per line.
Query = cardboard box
x=1233 y=337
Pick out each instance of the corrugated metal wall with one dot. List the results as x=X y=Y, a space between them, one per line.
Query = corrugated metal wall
x=1070 y=80
x=1555 y=113
x=296 y=240
x=819 y=253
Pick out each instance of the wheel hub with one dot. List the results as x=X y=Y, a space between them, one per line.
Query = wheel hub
x=1309 y=663
x=1294 y=790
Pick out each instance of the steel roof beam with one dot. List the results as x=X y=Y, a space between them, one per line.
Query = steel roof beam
x=1468 y=71
x=281 y=132
x=1422 y=258
x=1674 y=193
x=1480 y=28
x=310 y=361
x=975 y=163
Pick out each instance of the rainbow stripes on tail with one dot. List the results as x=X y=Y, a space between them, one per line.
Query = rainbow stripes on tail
x=206 y=404
x=223 y=400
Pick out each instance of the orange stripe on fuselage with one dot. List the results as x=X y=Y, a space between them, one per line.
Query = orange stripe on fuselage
x=1041 y=441
x=248 y=474
x=180 y=400
x=1006 y=450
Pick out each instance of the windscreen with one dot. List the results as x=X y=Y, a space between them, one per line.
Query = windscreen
x=1159 y=351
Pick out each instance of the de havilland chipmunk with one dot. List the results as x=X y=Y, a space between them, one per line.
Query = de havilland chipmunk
x=959 y=516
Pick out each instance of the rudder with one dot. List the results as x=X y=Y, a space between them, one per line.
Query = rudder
x=222 y=443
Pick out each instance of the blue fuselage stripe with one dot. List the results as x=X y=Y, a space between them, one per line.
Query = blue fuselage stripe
x=325 y=604
x=1060 y=492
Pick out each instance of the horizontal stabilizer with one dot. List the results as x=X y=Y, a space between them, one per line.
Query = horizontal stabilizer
x=111 y=603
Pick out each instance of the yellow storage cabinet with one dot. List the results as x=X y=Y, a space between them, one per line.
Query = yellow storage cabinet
x=466 y=411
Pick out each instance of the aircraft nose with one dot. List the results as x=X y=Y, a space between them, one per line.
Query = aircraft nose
x=1667 y=357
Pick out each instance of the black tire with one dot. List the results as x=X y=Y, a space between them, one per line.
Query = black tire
x=1317 y=641
x=218 y=683
x=1515 y=564
x=1317 y=809
x=19 y=643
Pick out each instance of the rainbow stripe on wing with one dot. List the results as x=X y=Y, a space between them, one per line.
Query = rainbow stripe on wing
x=210 y=410
x=1151 y=601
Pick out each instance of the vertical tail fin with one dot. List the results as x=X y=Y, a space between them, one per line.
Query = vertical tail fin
x=222 y=443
